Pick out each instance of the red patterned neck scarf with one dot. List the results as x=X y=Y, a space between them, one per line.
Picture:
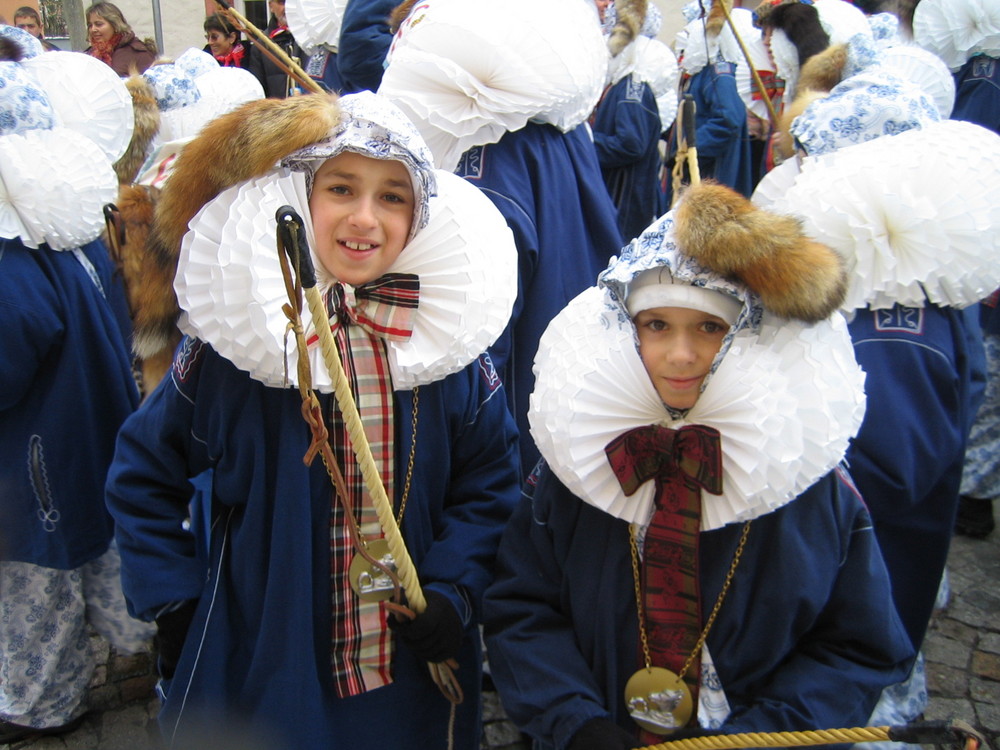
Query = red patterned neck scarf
x=681 y=462
x=233 y=58
x=104 y=50
x=361 y=646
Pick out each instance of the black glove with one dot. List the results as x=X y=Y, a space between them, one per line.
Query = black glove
x=171 y=632
x=602 y=734
x=436 y=634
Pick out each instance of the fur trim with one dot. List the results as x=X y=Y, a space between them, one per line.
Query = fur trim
x=824 y=70
x=235 y=147
x=630 y=16
x=805 y=97
x=10 y=51
x=147 y=125
x=399 y=14
x=716 y=19
x=801 y=25
x=795 y=276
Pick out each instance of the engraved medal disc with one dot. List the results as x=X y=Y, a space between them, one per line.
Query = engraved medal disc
x=658 y=700
x=369 y=582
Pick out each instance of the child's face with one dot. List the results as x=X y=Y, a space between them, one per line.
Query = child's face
x=678 y=345
x=361 y=209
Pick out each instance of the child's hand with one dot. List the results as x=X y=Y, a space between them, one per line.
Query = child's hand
x=602 y=734
x=436 y=633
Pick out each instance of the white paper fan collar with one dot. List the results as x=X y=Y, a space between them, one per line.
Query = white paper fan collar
x=956 y=30
x=786 y=400
x=315 y=23
x=906 y=241
x=467 y=71
x=657 y=66
x=230 y=289
x=53 y=187
x=87 y=97
x=926 y=70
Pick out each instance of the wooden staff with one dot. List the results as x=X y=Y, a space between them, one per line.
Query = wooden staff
x=269 y=48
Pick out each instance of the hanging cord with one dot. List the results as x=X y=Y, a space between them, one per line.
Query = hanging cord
x=687 y=151
x=955 y=733
x=269 y=48
x=291 y=235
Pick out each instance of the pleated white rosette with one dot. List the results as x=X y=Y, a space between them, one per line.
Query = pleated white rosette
x=53 y=187
x=776 y=183
x=230 y=289
x=786 y=400
x=907 y=240
x=315 y=23
x=87 y=96
x=221 y=90
x=926 y=70
x=467 y=71
x=956 y=30
x=656 y=65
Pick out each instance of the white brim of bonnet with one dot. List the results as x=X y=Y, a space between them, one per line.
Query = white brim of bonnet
x=655 y=288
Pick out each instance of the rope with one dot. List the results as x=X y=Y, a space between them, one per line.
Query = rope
x=777 y=739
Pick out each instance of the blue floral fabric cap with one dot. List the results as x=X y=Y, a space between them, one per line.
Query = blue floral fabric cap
x=196 y=62
x=373 y=126
x=862 y=108
x=657 y=247
x=862 y=53
x=173 y=86
x=31 y=46
x=23 y=104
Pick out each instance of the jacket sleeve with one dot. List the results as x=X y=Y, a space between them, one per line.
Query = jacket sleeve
x=148 y=491
x=833 y=676
x=480 y=496
x=364 y=43
x=636 y=124
x=544 y=679
x=721 y=113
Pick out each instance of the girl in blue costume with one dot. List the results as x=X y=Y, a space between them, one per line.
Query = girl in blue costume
x=269 y=630
x=65 y=379
x=752 y=395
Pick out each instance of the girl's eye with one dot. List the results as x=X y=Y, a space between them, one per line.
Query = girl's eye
x=339 y=189
x=394 y=198
x=656 y=325
x=712 y=327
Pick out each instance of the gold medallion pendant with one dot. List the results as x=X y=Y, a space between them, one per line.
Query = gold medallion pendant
x=658 y=700
x=370 y=582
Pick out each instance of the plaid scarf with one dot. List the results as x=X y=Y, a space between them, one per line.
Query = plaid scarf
x=361 y=646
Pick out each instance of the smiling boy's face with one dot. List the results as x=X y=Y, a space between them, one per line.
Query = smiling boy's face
x=362 y=210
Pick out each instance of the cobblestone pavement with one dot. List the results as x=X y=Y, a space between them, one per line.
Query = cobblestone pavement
x=962 y=651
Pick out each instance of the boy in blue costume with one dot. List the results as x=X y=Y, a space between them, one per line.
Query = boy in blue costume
x=669 y=412
x=275 y=631
x=66 y=384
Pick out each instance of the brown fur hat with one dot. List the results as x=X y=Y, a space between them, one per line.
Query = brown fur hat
x=794 y=276
x=399 y=14
x=147 y=125
x=824 y=70
x=799 y=21
x=235 y=147
x=630 y=15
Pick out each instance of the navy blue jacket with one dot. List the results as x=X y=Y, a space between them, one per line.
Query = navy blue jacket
x=548 y=187
x=803 y=640
x=259 y=646
x=924 y=375
x=364 y=43
x=627 y=136
x=66 y=386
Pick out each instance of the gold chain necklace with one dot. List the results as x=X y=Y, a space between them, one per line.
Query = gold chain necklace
x=658 y=699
